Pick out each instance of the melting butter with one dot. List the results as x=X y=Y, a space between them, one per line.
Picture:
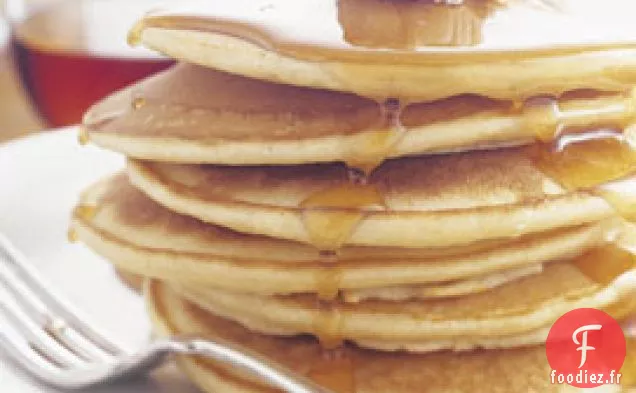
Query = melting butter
x=405 y=32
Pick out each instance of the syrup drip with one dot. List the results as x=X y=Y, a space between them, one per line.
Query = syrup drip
x=134 y=34
x=335 y=370
x=604 y=264
x=83 y=136
x=138 y=102
x=329 y=282
x=584 y=161
x=328 y=326
x=330 y=216
x=86 y=212
x=377 y=146
x=592 y=141
x=72 y=235
x=549 y=117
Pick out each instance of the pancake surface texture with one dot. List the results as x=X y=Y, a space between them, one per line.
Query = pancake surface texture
x=386 y=196
x=191 y=114
x=510 y=315
x=435 y=201
x=518 y=370
x=245 y=40
x=141 y=236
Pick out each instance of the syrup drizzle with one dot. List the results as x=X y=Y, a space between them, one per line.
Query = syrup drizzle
x=335 y=370
x=588 y=160
x=86 y=212
x=328 y=326
x=72 y=235
x=83 y=136
x=604 y=264
x=138 y=102
x=585 y=144
x=330 y=216
x=549 y=117
x=377 y=146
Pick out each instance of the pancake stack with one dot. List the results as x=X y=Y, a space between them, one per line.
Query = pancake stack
x=383 y=195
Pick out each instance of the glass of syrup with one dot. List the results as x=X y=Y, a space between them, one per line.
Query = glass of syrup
x=71 y=53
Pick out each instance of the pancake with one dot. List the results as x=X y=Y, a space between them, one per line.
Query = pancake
x=519 y=370
x=436 y=201
x=381 y=50
x=190 y=114
x=446 y=289
x=131 y=280
x=140 y=236
x=509 y=315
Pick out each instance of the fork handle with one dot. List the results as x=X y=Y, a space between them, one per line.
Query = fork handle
x=244 y=359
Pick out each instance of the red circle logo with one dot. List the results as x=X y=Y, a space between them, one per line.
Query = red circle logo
x=586 y=348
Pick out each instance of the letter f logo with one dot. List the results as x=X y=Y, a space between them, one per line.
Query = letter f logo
x=583 y=344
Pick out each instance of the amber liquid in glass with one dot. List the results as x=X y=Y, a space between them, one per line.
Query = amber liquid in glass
x=72 y=54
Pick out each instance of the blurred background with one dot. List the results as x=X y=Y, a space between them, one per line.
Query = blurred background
x=57 y=57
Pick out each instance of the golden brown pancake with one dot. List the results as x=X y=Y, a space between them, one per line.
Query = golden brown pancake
x=132 y=280
x=190 y=114
x=455 y=288
x=140 y=236
x=519 y=370
x=384 y=50
x=509 y=315
x=435 y=201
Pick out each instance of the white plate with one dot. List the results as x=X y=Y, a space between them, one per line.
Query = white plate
x=40 y=179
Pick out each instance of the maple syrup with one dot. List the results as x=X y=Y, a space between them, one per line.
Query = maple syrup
x=83 y=136
x=86 y=212
x=335 y=370
x=72 y=235
x=330 y=216
x=604 y=264
x=584 y=161
x=329 y=281
x=377 y=146
x=138 y=102
x=69 y=55
x=549 y=117
x=604 y=152
x=328 y=326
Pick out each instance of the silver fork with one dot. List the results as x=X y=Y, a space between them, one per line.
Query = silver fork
x=41 y=332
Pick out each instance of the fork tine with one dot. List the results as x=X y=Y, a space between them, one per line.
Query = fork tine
x=19 y=350
x=52 y=311
x=36 y=336
x=57 y=328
